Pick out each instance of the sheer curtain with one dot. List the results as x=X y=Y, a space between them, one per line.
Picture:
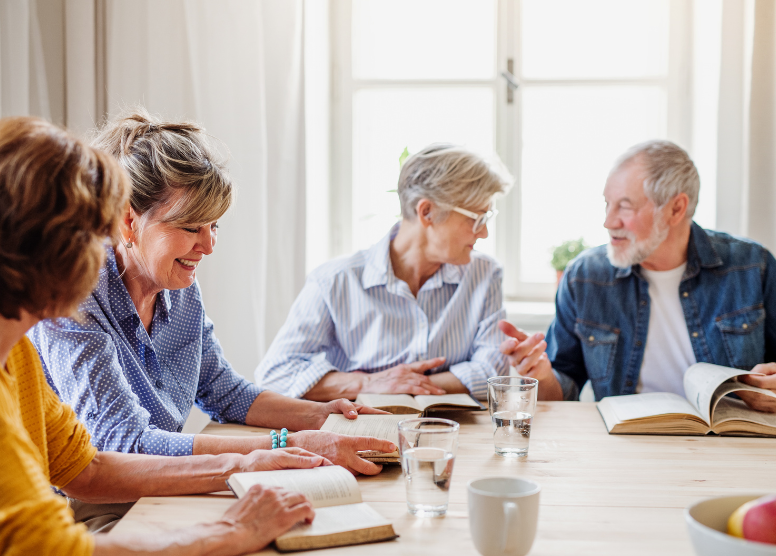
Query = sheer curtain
x=237 y=68
x=23 y=83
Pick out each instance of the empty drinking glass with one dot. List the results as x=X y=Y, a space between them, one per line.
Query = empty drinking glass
x=512 y=403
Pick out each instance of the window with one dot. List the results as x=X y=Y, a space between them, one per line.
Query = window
x=595 y=77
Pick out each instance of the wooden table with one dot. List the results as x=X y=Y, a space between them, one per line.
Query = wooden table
x=601 y=494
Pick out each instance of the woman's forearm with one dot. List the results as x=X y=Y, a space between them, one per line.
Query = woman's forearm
x=273 y=410
x=118 y=477
x=202 y=540
x=205 y=444
x=335 y=385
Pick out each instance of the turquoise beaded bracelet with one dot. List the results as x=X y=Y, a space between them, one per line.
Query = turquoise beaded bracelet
x=279 y=441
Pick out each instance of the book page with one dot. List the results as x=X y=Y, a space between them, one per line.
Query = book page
x=379 y=426
x=464 y=400
x=639 y=406
x=324 y=486
x=730 y=409
x=338 y=519
x=700 y=382
x=388 y=400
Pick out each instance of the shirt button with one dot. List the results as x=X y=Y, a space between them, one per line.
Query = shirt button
x=180 y=428
x=694 y=334
x=159 y=384
x=685 y=294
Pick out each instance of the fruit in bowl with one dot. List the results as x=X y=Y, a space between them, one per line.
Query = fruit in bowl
x=707 y=522
x=755 y=520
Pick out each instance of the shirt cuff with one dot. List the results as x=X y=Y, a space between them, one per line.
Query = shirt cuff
x=474 y=376
x=568 y=386
x=237 y=409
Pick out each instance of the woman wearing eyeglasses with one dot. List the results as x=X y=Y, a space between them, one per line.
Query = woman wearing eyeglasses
x=418 y=312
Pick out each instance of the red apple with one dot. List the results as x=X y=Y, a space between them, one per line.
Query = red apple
x=755 y=520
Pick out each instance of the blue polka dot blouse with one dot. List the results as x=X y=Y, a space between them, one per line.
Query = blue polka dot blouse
x=135 y=391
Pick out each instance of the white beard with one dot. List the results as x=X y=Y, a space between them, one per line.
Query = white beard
x=636 y=252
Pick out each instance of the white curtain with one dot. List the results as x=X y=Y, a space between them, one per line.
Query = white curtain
x=746 y=152
x=23 y=83
x=236 y=67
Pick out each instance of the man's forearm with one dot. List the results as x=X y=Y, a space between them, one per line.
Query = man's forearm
x=335 y=385
x=119 y=477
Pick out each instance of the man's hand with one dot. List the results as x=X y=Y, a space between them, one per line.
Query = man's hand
x=526 y=354
x=341 y=450
x=282 y=458
x=407 y=378
x=766 y=378
x=265 y=513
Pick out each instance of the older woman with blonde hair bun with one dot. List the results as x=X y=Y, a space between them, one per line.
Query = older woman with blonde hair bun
x=417 y=313
x=144 y=350
x=60 y=200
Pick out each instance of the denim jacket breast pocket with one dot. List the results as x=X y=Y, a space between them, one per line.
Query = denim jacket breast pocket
x=743 y=335
x=599 y=346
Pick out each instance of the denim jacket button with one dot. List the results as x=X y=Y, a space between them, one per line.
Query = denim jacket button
x=643 y=302
x=638 y=343
x=592 y=338
x=685 y=294
x=629 y=383
x=694 y=334
x=745 y=326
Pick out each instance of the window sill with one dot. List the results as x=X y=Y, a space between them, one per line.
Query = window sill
x=531 y=316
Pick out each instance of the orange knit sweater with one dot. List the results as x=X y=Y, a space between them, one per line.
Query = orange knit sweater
x=41 y=443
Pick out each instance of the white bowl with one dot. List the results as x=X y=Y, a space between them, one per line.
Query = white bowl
x=707 y=523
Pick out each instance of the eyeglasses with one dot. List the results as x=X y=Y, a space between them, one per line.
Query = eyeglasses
x=479 y=219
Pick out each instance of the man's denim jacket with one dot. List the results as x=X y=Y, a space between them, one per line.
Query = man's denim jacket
x=728 y=295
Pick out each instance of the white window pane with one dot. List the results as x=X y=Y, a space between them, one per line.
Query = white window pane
x=576 y=39
x=385 y=121
x=571 y=137
x=424 y=39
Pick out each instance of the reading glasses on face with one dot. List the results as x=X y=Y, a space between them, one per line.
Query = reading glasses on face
x=480 y=219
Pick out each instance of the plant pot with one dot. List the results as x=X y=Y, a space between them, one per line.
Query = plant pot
x=559 y=275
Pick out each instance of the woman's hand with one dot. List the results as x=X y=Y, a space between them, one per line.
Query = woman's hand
x=407 y=378
x=282 y=458
x=265 y=513
x=765 y=378
x=341 y=450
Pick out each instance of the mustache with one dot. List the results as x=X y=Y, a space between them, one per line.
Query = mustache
x=622 y=234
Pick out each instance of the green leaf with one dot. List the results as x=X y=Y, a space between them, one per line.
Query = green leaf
x=563 y=254
x=403 y=156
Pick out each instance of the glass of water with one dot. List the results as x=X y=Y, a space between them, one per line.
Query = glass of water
x=512 y=403
x=428 y=447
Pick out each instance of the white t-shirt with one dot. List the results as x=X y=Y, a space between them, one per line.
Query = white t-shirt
x=668 y=352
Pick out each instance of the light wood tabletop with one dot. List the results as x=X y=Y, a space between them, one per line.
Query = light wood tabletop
x=601 y=494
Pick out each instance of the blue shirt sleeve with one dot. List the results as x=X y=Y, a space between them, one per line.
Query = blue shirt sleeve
x=486 y=359
x=222 y=393
x=83 y=366
x=769 y=297
x=296 y=360
x=563 y=347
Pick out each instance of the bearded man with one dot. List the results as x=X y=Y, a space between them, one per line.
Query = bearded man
x=663 y=294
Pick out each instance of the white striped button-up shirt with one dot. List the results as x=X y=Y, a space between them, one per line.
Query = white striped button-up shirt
x=353 y=314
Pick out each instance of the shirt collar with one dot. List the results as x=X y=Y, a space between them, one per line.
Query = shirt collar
x=378 y=270
x=121 y=303
x=700 y=253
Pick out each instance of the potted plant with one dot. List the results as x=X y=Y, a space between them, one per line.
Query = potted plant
x=564 y=253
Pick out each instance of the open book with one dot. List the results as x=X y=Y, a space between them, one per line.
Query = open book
x=341 y=518
x=706 y=409
x=404 y=403
x=378 y=426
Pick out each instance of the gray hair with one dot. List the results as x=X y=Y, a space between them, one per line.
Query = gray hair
x=450 y=176
x=669 y=171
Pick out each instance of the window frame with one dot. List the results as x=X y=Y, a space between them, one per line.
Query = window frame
x=507 y=123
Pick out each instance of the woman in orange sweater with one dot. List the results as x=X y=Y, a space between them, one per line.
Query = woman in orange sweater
x=59 y=201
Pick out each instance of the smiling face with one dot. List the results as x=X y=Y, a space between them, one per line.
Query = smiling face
x=452 y=240
x=166 y=256
x=636 y=229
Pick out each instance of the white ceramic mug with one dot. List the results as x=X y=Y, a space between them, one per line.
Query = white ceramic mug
x=503 y=513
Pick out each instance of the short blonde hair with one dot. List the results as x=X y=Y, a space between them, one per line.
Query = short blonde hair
x=162 y=157
x=59 y=200
x=450 y=176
